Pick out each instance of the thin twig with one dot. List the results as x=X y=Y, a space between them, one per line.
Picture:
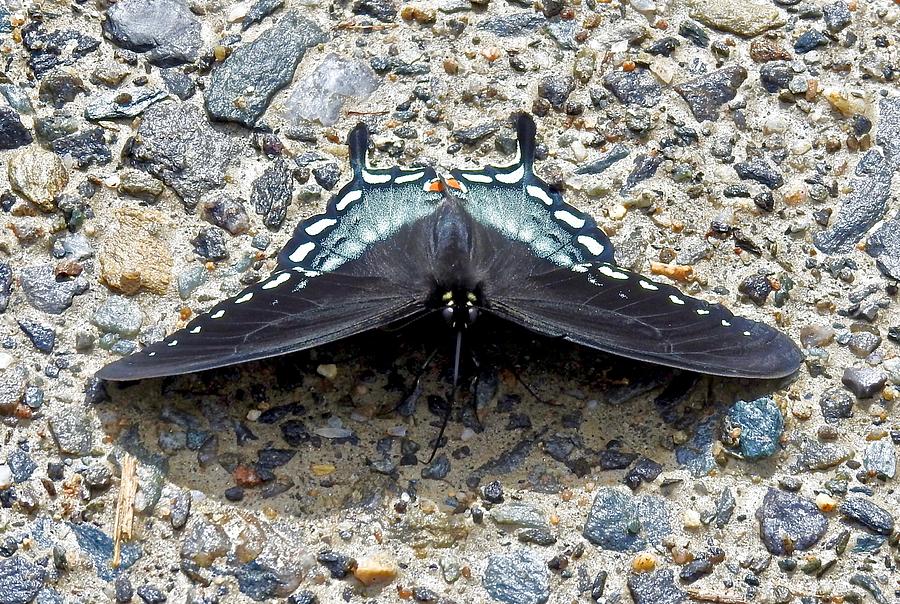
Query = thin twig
x=125 y=506
x=702 y=596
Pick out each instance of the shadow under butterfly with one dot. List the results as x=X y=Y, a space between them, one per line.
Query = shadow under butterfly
x=398 y=244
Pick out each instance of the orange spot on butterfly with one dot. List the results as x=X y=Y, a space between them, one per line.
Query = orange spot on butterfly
x=454 y=184
x=435 y=186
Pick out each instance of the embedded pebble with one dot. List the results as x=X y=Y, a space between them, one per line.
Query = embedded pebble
x=623 y=523
x=119 y=315
x=71 y=429
x=836 y=404
x=321 y=95
x=788 y=523
x=227 y=213
x=752 y=430
x=20 y=580
x=13 y=134
x=240 y=89
x=38 y=176
x=656 y=587
x=705 y=95
x=272 y=193
x=864 y=382
x=164 y=30
x=517 y=577
x=868 y=514
x=880 y=458
x=637 y=87
x=44 y=292
x=138 y=255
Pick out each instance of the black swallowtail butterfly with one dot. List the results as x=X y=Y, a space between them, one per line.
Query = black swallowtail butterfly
x=399 y=243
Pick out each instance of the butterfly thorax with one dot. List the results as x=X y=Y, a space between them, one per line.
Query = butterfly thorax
x=456 y=290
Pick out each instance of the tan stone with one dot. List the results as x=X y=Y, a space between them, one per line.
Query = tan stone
x=747 y=18
x=38 y=176
x=136 y=253
x=377 y=569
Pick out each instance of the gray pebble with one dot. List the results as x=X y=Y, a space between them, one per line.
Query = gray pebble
x=788 y=522
x=42 y=336
x=517 y=577
x=866 y=513
x=209 y=244
x=438 y=469
x=637 y=87
x=228 y=213
x=45 y=293
x=20 y=580
x=120 y=315
x=272 y=193
x=327 y=175
x=512 y=26
x=706 y=94
x=759 y=424
x=657 y=587
x=623 y=523
x=71 y=428
x=556 y=89
x=863 y=343
x=880 y=458
x=759 y=170
x=836 y=404
x=165 y=30
x=123 y=103
x=21 y=465
x=884 y=246
x=13 y=134
x=864 y=382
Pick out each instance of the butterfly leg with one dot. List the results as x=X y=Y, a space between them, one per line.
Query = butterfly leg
x=407 y=404
x=452 y=402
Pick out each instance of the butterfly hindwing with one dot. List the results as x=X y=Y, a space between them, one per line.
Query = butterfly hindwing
x=521 y=206
x=370 y=208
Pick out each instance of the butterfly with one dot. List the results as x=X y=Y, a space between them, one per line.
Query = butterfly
x=397 y=244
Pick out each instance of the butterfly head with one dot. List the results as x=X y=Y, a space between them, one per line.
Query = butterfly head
x=460 y=308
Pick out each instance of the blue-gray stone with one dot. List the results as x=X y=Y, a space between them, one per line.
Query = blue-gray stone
x=759 y=170
x=788 y=522
x=21 y=465
x=706 y=93
x=862 y=208
x=775 y=75
x=165 y=30
x=620 y=522
x=873 y=517
x=71 y=429
x=45 y=293
x=810 y=40
x=13 y=134
x=760 y=424
x=645 y=166
x=637 y=87
x=119 y=315
x=5 y=25
x=517 y=577
x=260 y=10
x=240 y=88
x=606 y=160
x=258 y=582
x=190 y=279
x=888 y=132
x=99 y=548
x=272 y=192
x=17 y=97
x=20 y=580
x=657 y=587
x=696 y=455
x=884 y=246
x=836 y=16
x=176 y=144
x=6 y=282
x=864 y=382
x=86 y=148
x=123 y=102
x=564 y=33
x=178 y=83
x=42 y=336
x=881 y=458
x=512 y=26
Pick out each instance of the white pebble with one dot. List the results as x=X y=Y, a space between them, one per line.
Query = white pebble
x=691 y=519
x=467 y=434
x=398 y=431
x=329 y=432
x=327 y=371
x=6 y=360
x=6 y=478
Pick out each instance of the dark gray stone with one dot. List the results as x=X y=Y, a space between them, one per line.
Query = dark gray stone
x=86 y=148
x=337 y=564
x=775 y=76
x=789 y=523
x=864 y=382
x=48 y=50
x=884 y=246
x=706 y=94
x=757 y=287
x=124 y=590
x=810 y=40
x=816 y=456
x=695 y=570
x=880 y=458
x=836 y=16
x=165 y=30
x=227 y=213
x=6 y=282
x=759 y=424
x=512 y=26
x=13 y=134
x=645 y=166
x=637 y=87
x=176 y=144
x=178 y=83
x=620 y=522
x=260 y=10
x=327 y=175
x=20 y=580
x=98 y=546
x=437 y=469
x=605 y=161
x=272 y=192
x=862 y=208
x=556 y=89
x=645 y=470
x=657 y=587
x=60 y=87
x=725 y=508
x=863 y=343
x=151 y=594
x=475 y=134
x=42 y=336
x=209 y=244
x=383 y=10
x=263 y=66
x=888 y=132
x=836 y=404
x=517 y=577
x=123 y=103
x=759 y=170
x=869 y=515
x=21 y=465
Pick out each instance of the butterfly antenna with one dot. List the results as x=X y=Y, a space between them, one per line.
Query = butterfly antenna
x=452 y=403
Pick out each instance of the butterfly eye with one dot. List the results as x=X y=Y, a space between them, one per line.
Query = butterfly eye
x=447 y=312
x=473 y=315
